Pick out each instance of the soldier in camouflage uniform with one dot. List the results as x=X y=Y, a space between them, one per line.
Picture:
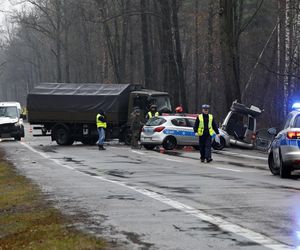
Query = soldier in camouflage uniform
x=136 y=125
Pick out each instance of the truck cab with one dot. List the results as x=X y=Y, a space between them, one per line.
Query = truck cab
x=11 y=121
x=145 y=98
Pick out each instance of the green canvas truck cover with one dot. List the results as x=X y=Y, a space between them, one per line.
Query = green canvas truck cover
x=68 y=102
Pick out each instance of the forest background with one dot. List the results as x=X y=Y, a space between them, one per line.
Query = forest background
x=200 y=51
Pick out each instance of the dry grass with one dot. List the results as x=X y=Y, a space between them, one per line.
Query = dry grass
x=28 y=222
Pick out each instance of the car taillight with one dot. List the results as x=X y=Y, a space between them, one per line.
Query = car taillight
x=293 y=135
x=143 y=130
x=253 y=136
x=159 y=129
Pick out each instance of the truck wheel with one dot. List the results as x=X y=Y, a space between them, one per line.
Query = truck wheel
x=62 y=137
x=169 y=143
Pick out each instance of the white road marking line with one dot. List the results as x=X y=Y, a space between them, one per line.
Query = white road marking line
x=216 y=220
x=244 y=156
x=136 y=152
x=169 y=159
x=229 y=169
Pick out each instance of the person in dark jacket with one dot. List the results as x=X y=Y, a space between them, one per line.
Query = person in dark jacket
x=205 y=127
x=101 y=126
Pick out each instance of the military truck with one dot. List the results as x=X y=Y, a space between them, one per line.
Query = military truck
x=67 y=112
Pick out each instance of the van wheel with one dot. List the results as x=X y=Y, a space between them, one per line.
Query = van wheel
x=62 y=137
x=169 y=143
x=271 y=163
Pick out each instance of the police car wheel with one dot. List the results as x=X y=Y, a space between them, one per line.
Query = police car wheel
x=169 y=143
x=284 y=170
x=273 y=169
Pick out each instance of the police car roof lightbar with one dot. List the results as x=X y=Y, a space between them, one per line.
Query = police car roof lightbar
x=296 y=105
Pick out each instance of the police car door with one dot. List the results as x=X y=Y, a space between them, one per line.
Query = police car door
x=181 y=130
x=276 y=145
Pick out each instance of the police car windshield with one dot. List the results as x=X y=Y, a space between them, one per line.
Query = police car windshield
x=155 y=121
x=11 y=112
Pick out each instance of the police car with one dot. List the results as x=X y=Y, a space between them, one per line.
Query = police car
x=284 y=153
x=173 y=131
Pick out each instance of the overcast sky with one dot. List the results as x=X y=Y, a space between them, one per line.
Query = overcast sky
x=6 y=8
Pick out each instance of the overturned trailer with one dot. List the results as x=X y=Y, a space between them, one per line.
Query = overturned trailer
x=68 y=111
x=240 y=124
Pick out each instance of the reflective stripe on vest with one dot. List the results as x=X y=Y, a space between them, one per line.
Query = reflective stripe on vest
x=100 y=124
x=201 y=125
x=150 y=114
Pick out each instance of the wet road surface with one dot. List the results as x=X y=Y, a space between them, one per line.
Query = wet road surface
x=146 y=200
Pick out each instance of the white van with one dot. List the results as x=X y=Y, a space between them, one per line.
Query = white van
x=11 y=121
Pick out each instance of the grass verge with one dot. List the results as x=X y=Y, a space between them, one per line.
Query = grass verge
x=27 y=221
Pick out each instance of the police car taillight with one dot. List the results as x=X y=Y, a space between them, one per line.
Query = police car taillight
x=159 y=129
x=293 y=135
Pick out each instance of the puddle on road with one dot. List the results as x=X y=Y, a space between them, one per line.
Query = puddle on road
x=181 y=190
x=70 y=159
x=119 y=173
x=170 y=210
x=135 y=238
x=47 y=149
x=120 y=197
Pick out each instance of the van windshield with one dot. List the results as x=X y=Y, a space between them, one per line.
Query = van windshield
x=11 y=112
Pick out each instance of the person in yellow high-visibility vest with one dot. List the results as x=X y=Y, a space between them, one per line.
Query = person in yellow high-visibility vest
x=101 y=126
x=152 y=112
x=205 y=127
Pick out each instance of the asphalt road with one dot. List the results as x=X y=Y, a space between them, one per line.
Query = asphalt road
x=141 y=199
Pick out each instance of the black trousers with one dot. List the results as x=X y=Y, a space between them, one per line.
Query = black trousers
x=205 y=147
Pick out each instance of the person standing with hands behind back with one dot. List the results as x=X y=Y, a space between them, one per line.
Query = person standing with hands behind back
x=205 y=127
x=101 y=126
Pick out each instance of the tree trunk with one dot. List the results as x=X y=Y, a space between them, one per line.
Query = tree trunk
x=229 y=40
x=145 y=43
x=178 y=56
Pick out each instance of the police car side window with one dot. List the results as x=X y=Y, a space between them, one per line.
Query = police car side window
x=191 y=122
x=288 y=121
x=297 y=122
x=181 y=122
